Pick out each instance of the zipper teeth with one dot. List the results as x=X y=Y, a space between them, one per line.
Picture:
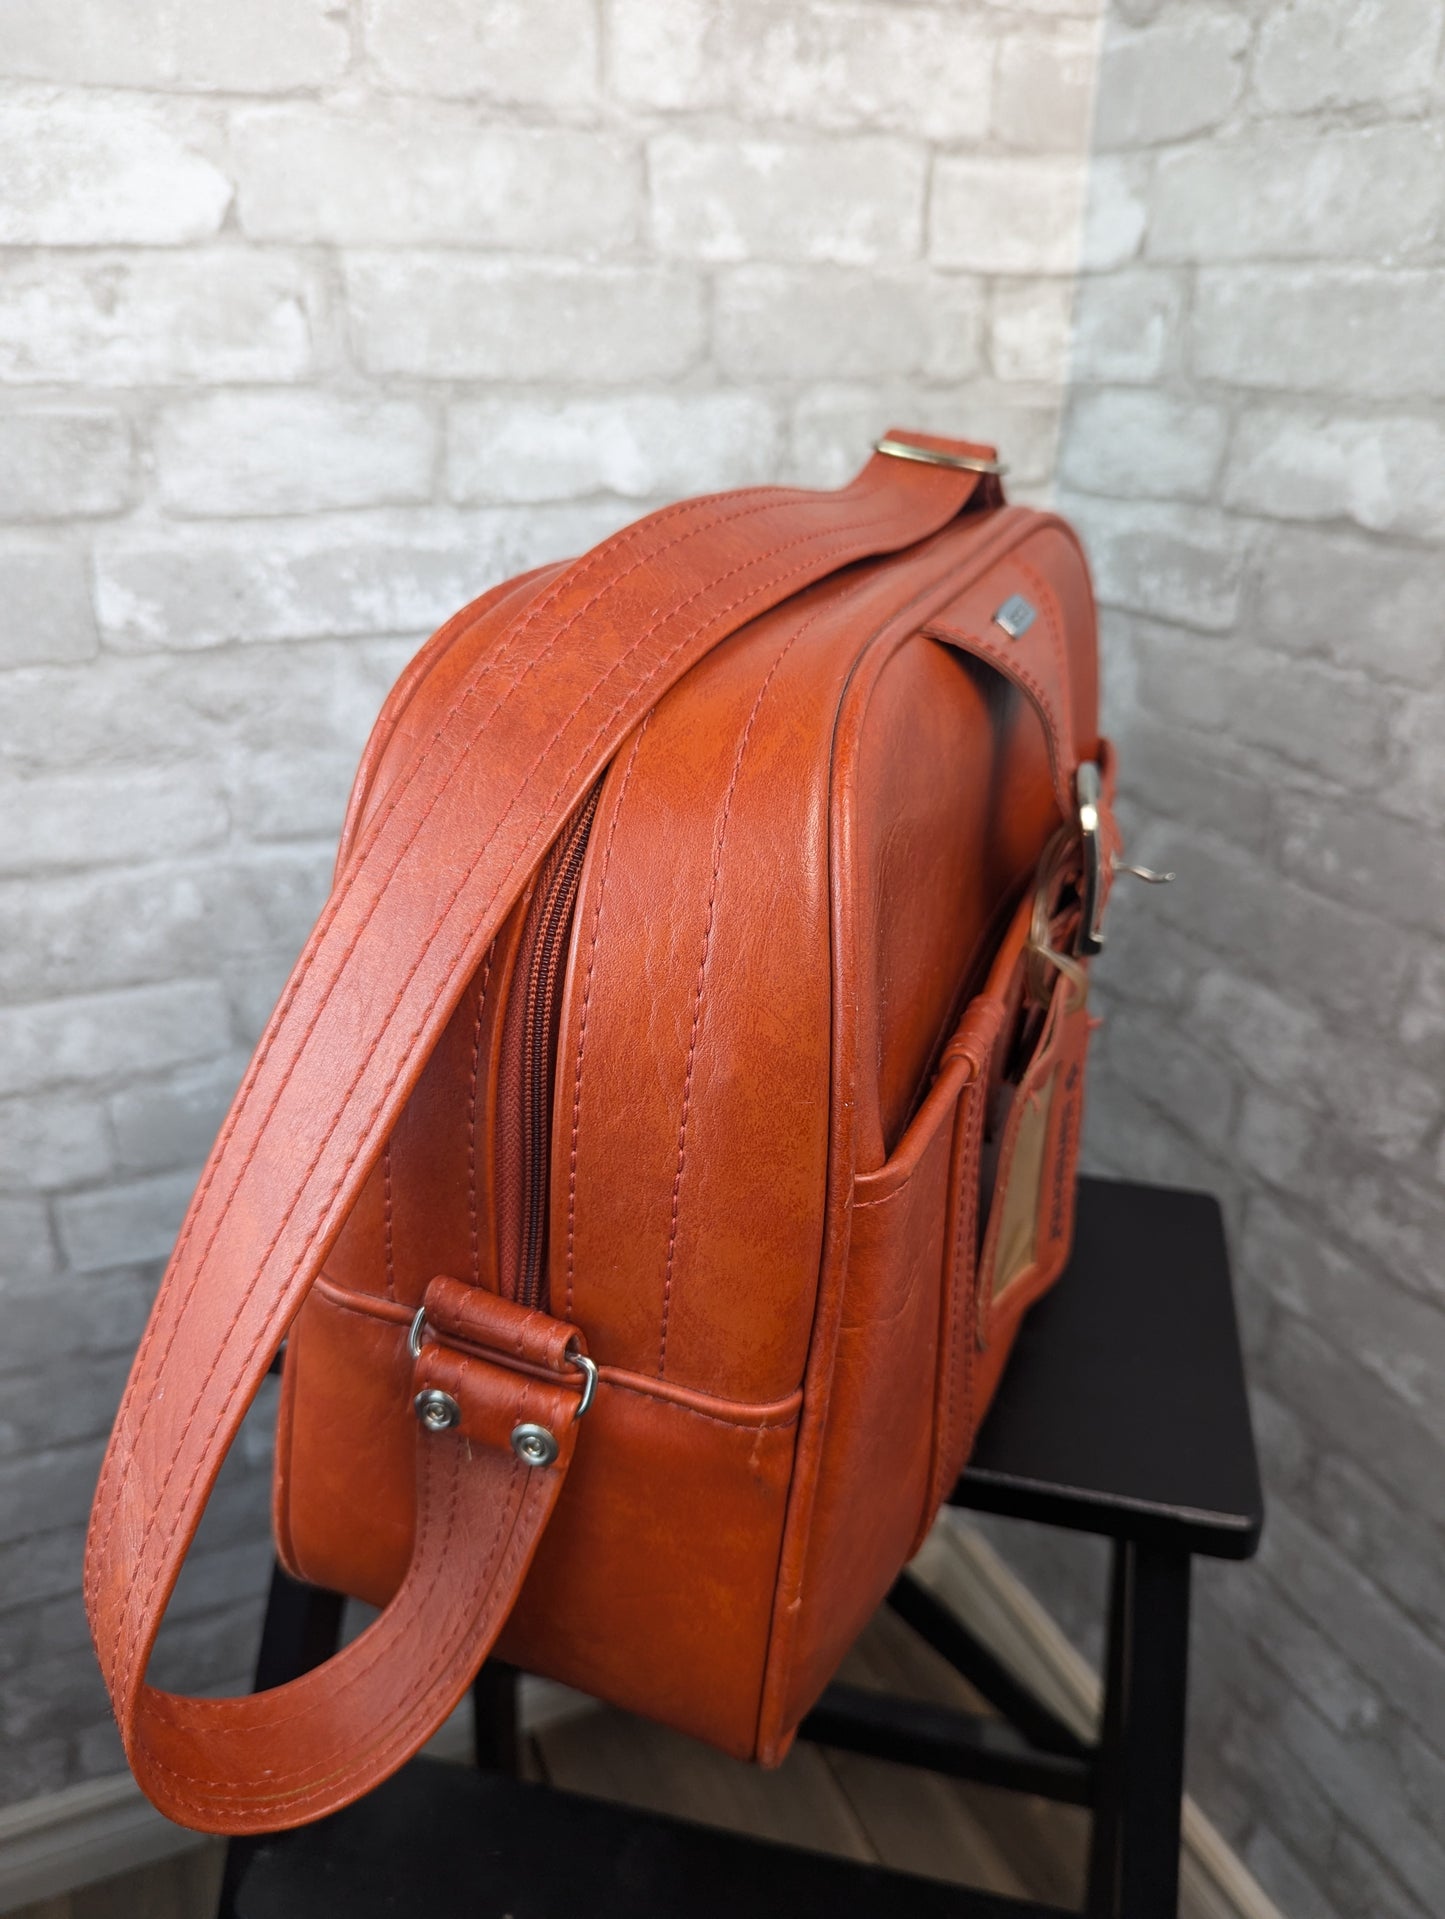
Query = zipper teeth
x=542 y=982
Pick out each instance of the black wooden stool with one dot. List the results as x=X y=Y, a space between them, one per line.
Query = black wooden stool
x=1122 y=1413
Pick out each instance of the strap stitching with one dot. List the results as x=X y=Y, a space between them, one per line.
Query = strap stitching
x=509 y=645
x=836 y=536
x=514 y=1534
x=423 y=1555
x=386 y=1218
x=980 y=647
x=385 y=1642
x=107 y=1489
x=1067 y=740
x=109 y=1469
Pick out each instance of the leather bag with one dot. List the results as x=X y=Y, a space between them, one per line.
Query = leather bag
x=662 y=1133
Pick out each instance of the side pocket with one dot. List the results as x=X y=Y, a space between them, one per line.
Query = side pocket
x=909 y=1262
x=1011 y=1186
x=954 y=1409
x=875 y=1460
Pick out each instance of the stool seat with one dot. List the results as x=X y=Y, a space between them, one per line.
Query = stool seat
x=443 y=1840
x=1123 y=1407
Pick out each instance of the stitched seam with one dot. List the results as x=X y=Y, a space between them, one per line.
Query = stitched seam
x=394 y=1735
x=329 y=915
x=514 y=1536
x=361 y=1140
x=306 y=1773
x=384 y=1643
x=586 y=1004
x=697 y=990
x=826 y=545
x=1057 y=647
x=107 y=1490
x=1051 y=626
x=509 y=647
x=562 y=1400
x=473 y=1200
x=386 y=1188
x=959 y=1312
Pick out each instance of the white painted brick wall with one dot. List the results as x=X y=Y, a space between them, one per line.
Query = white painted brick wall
x=1253 y=443
x=140 y=319
x=855 y=201
x=318 y=316
x=417 y=175
x=1176 y=75
x=1305 y=328
x=995 y=213
x=468 y=317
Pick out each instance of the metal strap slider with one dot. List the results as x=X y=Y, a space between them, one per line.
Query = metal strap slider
x=932 y=456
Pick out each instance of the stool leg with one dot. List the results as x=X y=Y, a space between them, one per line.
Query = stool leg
x=1134 y=1859
x=301 y=1628
x=494 y=1718
x=1103 y=1895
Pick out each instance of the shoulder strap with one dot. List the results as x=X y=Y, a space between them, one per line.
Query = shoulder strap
x=550 y=695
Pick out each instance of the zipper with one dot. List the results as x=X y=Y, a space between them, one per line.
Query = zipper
x=530 y=1047
x=545 y=962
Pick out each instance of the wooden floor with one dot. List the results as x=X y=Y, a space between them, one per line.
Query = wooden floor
x=835 y=1802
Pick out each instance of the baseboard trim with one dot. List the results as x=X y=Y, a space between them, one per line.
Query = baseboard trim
x=61 y=1840
x=66 y=1839
x=960 y=1566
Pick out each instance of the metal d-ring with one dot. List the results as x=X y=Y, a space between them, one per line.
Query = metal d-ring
x=588 y=1368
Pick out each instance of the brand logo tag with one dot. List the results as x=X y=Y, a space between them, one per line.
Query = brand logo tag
x=1015 y=616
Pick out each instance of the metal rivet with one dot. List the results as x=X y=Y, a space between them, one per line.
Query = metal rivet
x=437 y=1410
x=534 y=1445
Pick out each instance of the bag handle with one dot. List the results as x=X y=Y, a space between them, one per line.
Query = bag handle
x=549 y=695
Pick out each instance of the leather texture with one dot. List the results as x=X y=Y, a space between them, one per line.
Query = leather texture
x=677 y=1003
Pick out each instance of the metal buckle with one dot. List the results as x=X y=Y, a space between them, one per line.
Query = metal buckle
x=965 y=462
x=1054 y=879
x=1087 y=788
x=586 y=1366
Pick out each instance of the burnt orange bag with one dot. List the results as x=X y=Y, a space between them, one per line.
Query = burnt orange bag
x=663 y=1131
